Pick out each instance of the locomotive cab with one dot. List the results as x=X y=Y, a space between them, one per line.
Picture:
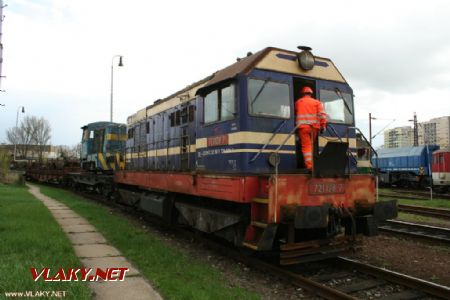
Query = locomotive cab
x=102 y=147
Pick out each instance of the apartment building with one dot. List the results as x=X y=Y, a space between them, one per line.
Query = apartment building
x=435 y=132
x=399 y=137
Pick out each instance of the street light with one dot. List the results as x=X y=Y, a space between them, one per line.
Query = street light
x=112 y=80
x=17 y=129
x=371 y=137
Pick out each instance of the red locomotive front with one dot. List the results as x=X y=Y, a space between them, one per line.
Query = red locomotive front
x=441 y=169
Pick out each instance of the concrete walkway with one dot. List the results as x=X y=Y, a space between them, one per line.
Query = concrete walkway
x=94 y=252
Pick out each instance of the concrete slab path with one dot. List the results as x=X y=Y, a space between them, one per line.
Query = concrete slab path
x=94 y=252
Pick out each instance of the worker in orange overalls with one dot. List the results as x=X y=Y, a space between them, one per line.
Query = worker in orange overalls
x=310 y=119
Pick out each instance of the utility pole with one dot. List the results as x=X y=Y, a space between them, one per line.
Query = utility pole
x=415 y=131
x=370 y=128
x=1 y=45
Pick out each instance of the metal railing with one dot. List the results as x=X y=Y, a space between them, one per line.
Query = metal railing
x=368 y=143
x=268 y=142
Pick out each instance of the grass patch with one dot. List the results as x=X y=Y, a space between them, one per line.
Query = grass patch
x=175 y=274
x=407 y=217
x=26 y=226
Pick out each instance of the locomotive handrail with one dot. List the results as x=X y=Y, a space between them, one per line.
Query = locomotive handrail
x=270 y=140
x=370 y=145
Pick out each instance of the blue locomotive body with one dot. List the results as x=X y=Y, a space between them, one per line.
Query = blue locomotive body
x=233 y=120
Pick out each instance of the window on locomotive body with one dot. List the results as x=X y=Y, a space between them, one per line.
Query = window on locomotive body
x=191 y=113
x=86 y=134
x=220 y=105
x=98 y=140
x=268 y=98
x=184 y=115
x=177 y=118
x=130 y=133
x=336 y=109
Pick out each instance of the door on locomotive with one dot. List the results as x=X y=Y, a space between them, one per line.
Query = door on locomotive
x=338 y=106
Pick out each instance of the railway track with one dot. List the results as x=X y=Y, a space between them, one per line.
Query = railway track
x=336 y=278
x=423 y=193
x=399 y=196
x=413 y=195
x=424 y=232
x=343 y=278
x=425 y=211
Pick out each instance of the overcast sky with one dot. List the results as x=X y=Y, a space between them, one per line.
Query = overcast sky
x=57 y=54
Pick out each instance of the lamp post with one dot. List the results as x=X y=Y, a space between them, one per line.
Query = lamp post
x=17 y=129
x=112 y=80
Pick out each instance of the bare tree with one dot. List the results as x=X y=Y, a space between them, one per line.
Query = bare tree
x=63 y=152
x=12 y=135
x=23 y=135
x=69 y=152
x=26 y=132
x=75 y=151
x=42 y=135
x=32 y=131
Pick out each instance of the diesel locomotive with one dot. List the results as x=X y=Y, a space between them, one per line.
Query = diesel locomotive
x=222 y=156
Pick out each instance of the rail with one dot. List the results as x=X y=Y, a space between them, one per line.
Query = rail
x=415 y=230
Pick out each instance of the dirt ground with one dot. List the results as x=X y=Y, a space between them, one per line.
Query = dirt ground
x=414 y=258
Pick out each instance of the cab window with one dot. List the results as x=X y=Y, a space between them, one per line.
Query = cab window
x=220 y=105
x=268 y=98
x=338 y=106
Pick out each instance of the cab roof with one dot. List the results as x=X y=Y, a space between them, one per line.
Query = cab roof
x=270 y=58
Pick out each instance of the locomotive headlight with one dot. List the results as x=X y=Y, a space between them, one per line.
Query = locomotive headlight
x=305 y=58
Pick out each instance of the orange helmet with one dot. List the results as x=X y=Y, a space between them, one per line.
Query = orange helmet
x=307 y=90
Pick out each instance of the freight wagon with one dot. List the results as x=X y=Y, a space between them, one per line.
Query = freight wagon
x=405 y=166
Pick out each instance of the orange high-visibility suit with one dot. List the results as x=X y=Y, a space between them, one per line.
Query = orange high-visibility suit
x=310 y=119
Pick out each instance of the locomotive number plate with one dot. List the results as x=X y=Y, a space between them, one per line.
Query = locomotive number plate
x=218 y=140
x=325 y=188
